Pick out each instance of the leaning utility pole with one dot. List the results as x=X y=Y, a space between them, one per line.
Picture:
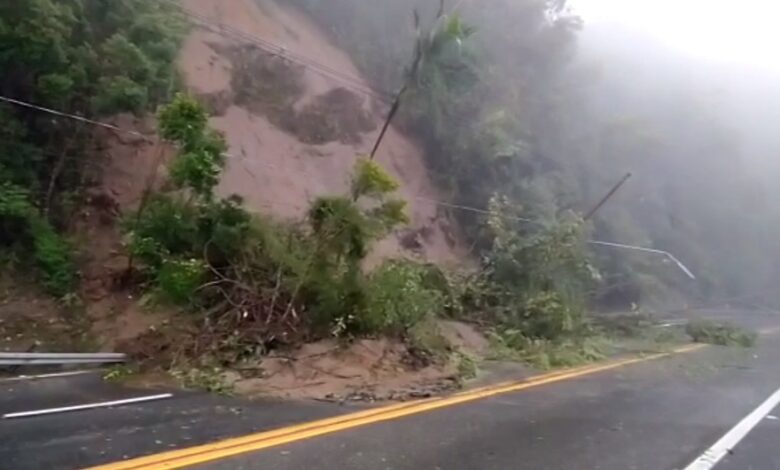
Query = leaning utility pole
x=422 y=48
x=607 y=196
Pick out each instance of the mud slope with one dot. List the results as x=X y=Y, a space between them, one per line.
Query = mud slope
x=296 y=133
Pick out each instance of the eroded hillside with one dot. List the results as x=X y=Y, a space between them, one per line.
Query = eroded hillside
x=294 y=133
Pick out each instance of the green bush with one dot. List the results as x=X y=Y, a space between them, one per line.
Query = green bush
x=22 y=228
x=167 y=227
x=546 y=315
x=722 y=334
x=545 y=353
x=178 y=279
x=120 y=94
x=398 y=298
x=53 y=258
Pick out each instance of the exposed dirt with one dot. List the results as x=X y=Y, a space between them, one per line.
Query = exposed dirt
x=464 y=337
x=333 y=370
x=299 y=138
x=126 y=165
x=366 y=370
x=31 y=321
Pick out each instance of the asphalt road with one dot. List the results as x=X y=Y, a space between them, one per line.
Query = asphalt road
x=86 y=438
x=654 y=415
x=759 y=450
x=659 y=414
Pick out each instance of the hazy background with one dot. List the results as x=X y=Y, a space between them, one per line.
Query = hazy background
x=550 y=103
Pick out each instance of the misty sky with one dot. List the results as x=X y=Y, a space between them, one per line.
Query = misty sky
x=740 y=32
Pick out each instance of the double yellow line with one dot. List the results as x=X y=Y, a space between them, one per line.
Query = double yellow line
x=263 y=440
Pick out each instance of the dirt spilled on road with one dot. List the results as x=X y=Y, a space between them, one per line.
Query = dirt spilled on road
x=365 y=370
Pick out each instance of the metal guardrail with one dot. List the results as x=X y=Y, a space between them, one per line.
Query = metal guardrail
x=25 y=359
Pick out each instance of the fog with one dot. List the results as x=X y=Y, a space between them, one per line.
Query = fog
x=551 y=103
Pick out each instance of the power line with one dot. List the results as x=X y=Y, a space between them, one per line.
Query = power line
x=115 y=128
x=268 y=204
x=72 y=116
x=279 y=50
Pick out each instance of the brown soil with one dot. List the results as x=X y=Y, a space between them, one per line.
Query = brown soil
x=366 y=370
x=299 y=139
x=363 y=370
x=464 y=337
x=269 y=85
x=32 y=321
x=126 y=165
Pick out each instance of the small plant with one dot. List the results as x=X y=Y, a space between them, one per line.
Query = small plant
x=547 y=354
x=721 y=334
x=426 y=339
x=207 y=379
x=201 y=156
x=118 y=373
x=178 y=279
x=467 y=366
x=50 y=251
x=53 y=257
x=399 y=298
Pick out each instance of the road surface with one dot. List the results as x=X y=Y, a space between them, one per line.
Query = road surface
x=659 y=413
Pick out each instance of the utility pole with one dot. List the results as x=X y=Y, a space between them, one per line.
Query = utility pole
x=607 y=196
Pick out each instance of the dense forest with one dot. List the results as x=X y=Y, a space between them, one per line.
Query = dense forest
x=89 y=59
x=520 y=117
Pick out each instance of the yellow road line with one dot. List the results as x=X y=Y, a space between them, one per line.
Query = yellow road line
x=263 y=440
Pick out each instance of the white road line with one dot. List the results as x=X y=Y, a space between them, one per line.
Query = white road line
x=89 y=406
x=21 y=378
x=725 y=444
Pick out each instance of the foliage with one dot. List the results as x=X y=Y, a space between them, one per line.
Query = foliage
x=722 y=334
x=53 y=257
x=535 y=277
x=467 y=366
x=85 y=57
x=118 y=373
x=200 y=161
x=183 y=121
x=207 y=379
x=22 y=229
x=545 y=353
x=178 y=239
x=399 y=298
x=179 y=279
x=371 y=180
x=211 y=255
x=343 y=230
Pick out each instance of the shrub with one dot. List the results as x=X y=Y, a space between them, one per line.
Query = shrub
x=545 y=353
x=53 y=258
x=21 y=225
x=178 y=279
x=546 y=315
x=722 y=334
x=167 y=227
x=398 y=298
